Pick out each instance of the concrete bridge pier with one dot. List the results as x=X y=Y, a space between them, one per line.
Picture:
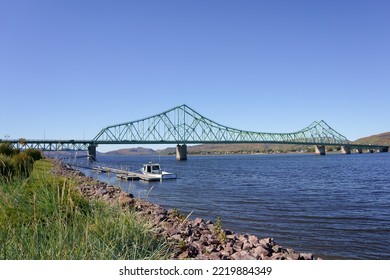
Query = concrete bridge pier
x=346 y=149
x=181 y=152
x=384 y=150
x=92 y=152
x=320 y=150
x=371 y=151
x=360 y=151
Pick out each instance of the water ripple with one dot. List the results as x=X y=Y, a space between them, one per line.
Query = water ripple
x=335 y=206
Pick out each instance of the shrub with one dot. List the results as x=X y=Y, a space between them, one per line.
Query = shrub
x=7 y=149
x=14 y=163
x=22 y=164
x=34 y=154
x=218 y=230
x=6 y=167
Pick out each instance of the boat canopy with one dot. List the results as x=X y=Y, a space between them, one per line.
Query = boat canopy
x=152 y=168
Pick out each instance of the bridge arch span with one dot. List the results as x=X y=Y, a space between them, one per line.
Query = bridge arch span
x=183 y=125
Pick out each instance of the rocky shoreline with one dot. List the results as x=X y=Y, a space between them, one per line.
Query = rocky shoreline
x=191 y=239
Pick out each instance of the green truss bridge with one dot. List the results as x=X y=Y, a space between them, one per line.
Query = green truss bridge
x=182 y=125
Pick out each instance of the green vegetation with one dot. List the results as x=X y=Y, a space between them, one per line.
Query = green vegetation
x=16 y=163
x=46 y=217
x=218 y=230
x=7 y=149
x=176 y=213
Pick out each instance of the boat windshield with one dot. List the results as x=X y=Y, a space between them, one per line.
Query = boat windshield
x=152 y=168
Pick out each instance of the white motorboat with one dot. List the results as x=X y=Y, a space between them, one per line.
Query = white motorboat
x=152 y=171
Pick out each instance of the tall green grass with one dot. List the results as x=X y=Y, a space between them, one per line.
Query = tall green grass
x=45 y=217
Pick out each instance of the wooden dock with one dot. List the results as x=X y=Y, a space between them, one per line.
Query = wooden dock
x=129 y=177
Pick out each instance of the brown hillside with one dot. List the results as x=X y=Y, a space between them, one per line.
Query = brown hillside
x=377 y=139
x=132 y=151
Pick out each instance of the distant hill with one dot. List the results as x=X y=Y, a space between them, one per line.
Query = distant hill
x=132 y=151
x=244 y=148
x=210 y=149
x=377 y=139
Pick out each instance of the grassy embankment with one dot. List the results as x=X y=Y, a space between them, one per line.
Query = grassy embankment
x=45 y=217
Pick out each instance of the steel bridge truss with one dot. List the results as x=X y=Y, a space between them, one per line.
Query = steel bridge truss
x=184 y=125
x=52 y=145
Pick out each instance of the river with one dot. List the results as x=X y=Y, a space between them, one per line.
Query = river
x=334 y=206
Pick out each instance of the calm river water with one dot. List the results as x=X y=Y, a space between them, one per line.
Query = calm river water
x=335 y=206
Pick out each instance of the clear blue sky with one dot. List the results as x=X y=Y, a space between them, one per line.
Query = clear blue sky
x=70 y=68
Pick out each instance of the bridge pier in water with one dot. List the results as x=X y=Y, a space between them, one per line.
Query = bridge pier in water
x=92 y=152
x=320 y=150
x=181 y=152
x=346 y=149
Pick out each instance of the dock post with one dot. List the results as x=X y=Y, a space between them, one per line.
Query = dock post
x=181 y=152
x=92 y=152
x=320 y=150
x=346 y=149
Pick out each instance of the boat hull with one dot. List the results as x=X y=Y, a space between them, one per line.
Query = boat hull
x=158 y=177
